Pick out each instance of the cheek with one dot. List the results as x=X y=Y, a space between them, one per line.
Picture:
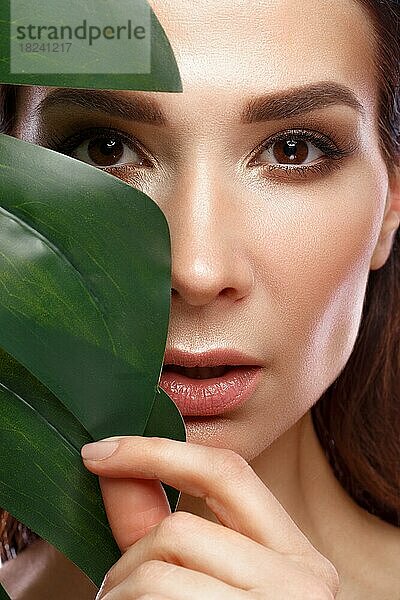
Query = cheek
x=313 y=254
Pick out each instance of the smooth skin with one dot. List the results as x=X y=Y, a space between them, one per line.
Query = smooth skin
x=268 y=262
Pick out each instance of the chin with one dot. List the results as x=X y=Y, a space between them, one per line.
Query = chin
x=223 y=432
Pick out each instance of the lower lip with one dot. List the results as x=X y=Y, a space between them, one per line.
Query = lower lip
x=214 y=396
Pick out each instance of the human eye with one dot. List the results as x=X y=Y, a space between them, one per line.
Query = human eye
x=286 y=154
x=102 y=147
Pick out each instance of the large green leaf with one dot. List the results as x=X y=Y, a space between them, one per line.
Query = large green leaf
x=164 y=74
x=84 y=306
x=85 y=269
x=42 y=407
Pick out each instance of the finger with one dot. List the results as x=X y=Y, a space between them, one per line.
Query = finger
x=223 y=478
x=185 y=540
x=172 y=581
x=133 y=507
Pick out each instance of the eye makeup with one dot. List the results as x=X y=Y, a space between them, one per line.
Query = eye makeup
x=333 y=143
x=68 y=144
x=334 y=154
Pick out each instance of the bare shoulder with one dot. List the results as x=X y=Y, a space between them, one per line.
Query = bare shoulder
x=41 y=571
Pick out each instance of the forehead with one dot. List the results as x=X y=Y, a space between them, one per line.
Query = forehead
x=230 y=49
x=267 y=43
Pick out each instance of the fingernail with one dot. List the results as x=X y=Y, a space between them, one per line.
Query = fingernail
x=98 y=450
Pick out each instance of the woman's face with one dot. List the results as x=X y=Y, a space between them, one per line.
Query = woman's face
x=269 y=260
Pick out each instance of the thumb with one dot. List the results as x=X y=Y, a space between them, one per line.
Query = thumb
x=133 y=507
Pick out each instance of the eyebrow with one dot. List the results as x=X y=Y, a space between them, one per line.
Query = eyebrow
x=135 y=108
x=299 y=100
x=283 y=104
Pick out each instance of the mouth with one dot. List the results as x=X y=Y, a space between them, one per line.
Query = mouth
x=200 y=372
x=206 y=391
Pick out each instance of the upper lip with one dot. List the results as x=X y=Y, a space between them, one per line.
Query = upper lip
x=212 y=358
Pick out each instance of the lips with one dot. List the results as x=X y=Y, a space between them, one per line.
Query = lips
x=209 y=383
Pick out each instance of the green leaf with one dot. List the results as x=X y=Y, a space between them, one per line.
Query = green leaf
x=164 y=74
x=45 y=482
x=17 y=378
x=85 y=269
x=165 y=422
x=3 y=594
x=162 y=420
x=84 y=307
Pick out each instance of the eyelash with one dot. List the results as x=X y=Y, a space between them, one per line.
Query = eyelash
x=66 y=145
x=332 y=163
x=333 y=152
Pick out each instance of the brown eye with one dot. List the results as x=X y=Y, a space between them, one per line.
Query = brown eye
x=105 y=151
x=108 y=150
x=290 y=151
x=294 y=154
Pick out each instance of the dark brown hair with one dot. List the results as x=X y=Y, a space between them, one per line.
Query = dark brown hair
x=357 y=419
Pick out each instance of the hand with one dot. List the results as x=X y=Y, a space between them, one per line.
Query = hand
x=255 y=552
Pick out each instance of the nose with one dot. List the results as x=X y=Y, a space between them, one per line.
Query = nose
x=208 y=245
